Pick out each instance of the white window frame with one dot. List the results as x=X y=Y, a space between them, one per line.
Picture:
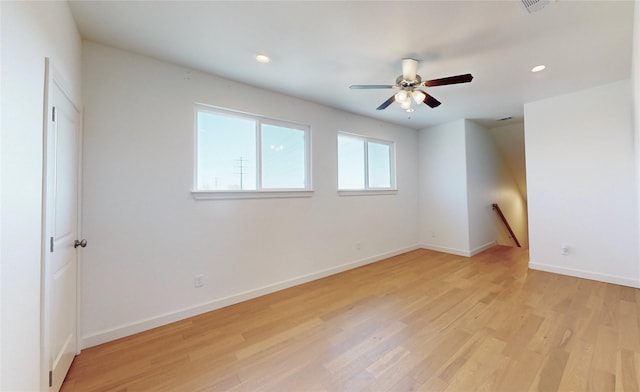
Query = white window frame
x=259 y=192
x=392 y=189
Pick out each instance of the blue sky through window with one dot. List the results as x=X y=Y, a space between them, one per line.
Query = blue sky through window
x=283 y=161
x=350 y=162
x=228 y=159
x=364 y=164
x=379 y=165
x=226 y=152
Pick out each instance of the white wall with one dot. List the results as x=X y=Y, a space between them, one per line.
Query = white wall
x=483 y=178
x=510 y=142
x=30 y=32
x=462 y=173
x=148 y=237
x=444 y=222
x=635 y=77
x=581 y=184
x=514 y=207
x=511 y=193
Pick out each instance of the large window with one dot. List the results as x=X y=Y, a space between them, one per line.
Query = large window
x=365 y=163
x=242 y=153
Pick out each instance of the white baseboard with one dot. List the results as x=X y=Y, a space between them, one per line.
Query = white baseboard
x=623 y=281
x=460 y=252
x=482 y=248
x=121 y=331
x=444 y=249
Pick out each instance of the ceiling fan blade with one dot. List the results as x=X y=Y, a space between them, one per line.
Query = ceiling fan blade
x=370 y=86
x=386 y=103
x=409 y=69
x=430 y=101
x=466 y=78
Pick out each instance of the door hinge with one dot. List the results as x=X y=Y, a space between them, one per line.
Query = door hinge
x=51 y=244
x=53 y=114
x=50 y=378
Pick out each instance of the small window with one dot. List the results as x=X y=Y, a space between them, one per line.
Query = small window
x=365 y=163
x=240 y=154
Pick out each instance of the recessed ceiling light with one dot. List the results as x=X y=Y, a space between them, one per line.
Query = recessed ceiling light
x=538 y=68
x=261 y=58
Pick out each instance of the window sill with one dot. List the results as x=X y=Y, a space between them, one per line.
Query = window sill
x=226 y=195
x=368 y=192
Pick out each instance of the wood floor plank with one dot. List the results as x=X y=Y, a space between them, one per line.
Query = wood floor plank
x=420 y=321
x=576 y=374
x=626 y=372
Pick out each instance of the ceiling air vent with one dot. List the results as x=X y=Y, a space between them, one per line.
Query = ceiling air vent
x=534 y=5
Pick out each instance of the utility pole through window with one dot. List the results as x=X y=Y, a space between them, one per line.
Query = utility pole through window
x=241 y=166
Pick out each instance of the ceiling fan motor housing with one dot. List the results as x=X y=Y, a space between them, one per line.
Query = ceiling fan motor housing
x=408 y=84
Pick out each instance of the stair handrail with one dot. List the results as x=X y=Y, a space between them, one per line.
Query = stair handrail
x=497 y=209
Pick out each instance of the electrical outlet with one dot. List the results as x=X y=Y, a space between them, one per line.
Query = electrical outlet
x=358 y=245
x=198 y=281
x=564 y=249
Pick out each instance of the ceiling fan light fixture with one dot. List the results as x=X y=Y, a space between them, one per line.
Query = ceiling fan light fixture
x=406 y=105
x=418 y=96
x=402 y=96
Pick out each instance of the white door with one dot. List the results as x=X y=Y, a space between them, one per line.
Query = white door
x=60 y=258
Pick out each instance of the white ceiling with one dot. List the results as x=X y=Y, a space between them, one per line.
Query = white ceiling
x=319 y=48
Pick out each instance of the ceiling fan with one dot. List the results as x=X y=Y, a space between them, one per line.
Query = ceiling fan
x=408 y=84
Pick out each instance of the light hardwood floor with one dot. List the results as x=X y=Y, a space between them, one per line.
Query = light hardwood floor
x=421 y=321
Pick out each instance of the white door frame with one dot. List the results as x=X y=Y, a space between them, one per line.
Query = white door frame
x=53 y=80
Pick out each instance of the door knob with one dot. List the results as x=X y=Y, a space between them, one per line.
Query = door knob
x=78 y=243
